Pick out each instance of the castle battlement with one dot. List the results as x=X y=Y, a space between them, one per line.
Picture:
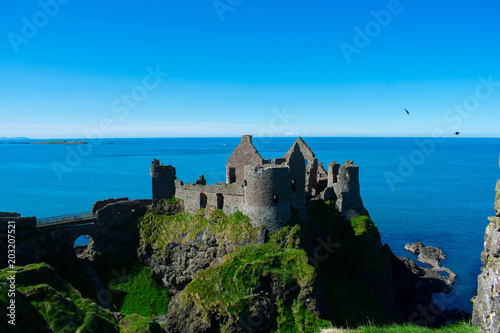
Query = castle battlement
x=265 y=191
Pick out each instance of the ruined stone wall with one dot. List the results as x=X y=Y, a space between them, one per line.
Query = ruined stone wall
x=229 y=198
x=322 y=178
x=244 y=154
x=486 y=308
x=347 y=191
x=29 y=245
x=311 y=167
x=163 y=177
x=36 y=244
x=333 y=171
x=311 y=177
x=304 y=149
x=103 y=203
x=120 y=212
x=267 y=195
x=20 y=222
x=297 y=165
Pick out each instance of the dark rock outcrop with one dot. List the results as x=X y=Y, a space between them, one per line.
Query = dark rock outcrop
x=177 y=267
x=256 y=298
x=432 y=256
x=486 y=309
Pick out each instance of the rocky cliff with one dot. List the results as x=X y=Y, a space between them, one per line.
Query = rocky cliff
x=44 y=302
x=227 y=275
x=487 y=302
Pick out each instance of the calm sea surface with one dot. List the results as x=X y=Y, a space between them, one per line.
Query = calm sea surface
x=441 y=194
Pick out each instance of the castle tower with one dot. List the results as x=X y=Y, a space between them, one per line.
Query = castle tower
x=347 y=191
x=244 y=154
x=267 y=195
x=163 y=178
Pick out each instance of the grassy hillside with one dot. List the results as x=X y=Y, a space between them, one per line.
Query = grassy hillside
x=47 y=303
x=142 y=295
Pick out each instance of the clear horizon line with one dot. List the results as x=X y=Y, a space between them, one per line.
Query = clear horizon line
x=238 y=136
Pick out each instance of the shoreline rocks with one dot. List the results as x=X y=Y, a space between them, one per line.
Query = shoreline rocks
x=432 y=256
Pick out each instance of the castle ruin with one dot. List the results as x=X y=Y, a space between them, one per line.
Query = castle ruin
x=264 y=190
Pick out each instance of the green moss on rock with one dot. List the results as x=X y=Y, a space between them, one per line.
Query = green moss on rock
x=249 y=281
x=45 y=299
x=159 y=230
x=138 y=324
x=143 y=295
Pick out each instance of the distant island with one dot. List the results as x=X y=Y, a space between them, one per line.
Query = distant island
x=14 y=138
x=59 y=142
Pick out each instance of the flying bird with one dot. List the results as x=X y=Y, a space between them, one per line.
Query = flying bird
x=456 y=133
x=407 y=112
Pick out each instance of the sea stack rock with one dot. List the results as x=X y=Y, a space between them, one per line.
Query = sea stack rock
x=486 y=309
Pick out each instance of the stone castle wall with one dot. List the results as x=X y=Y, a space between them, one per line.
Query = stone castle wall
x=347 y=191
x=267 y=195
x=297 y=165
x=244 y=154
x=163 y=180
x=265 y=191
x=229 y=198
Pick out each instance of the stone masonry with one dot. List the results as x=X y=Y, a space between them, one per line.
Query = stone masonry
x=265 y=190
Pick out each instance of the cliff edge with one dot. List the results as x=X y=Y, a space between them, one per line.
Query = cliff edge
x=487 y=302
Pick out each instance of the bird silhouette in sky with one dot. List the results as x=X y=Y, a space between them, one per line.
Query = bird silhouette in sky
x=407 y=112
x=456 y=133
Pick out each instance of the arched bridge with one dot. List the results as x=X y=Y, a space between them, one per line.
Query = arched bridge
x=107 y=224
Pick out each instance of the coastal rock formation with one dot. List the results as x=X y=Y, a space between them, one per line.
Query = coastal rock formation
x=486 y=310
x=258 y=288
x=432 y=256
x=178 y=245
x=45 y=302
x=178 y=267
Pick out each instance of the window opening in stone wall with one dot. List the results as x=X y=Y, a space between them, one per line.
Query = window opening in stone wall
x=232 y=175
x=220 y=201
x=275 y=199
x=203 y=200
x=294 y=185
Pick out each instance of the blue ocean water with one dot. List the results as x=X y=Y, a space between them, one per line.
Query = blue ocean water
x=415 y=189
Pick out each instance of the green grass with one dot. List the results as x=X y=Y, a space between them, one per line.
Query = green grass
x=45 y=302
x=143 y=295
x=44 y=297
x=159 y=230
x=455 y=328
x=358 y=267
x=171 y=201
x=137 y=324
x=234 y=287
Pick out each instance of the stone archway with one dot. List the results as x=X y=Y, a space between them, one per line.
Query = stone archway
x=84 y=247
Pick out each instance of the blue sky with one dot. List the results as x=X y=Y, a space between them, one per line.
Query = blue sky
x=272 y=68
